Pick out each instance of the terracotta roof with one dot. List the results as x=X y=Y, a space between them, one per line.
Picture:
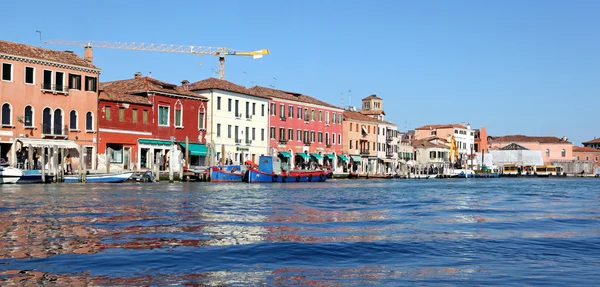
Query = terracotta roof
x=584 y=149
x=448 y=126
x=145 y=84
x=372 y=112
x=373 y=96
x=424 y=143
x=434 y=138
x=290 y=96
x=115 y=96
x=592 y=141
x=522 y=138
x=388 y=123
x=218 y=84
x=358 y=116
x=22 y=50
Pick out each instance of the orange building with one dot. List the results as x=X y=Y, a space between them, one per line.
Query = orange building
x=49 y=99
x=481 y=140
x=587 y=154
x=360 y=141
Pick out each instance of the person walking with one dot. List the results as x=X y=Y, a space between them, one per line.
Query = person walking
x=68 y=164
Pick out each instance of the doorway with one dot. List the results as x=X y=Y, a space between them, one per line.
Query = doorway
x=126 y=158
x=88 y=157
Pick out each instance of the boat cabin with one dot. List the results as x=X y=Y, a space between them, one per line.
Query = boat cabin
x=269 y=164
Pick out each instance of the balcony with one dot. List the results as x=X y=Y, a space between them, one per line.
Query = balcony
x=248 y=142
x=307 y=143
x=282 y=141
x=364 y=152
x=238 y=141
x=283 y=118
x=389 y=154
x=327 y=145
x=54 y=89
x=389 y=138
x=238 y=116
x=248 y=117
x=55 y=131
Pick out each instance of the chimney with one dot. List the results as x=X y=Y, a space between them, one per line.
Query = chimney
x=185 y=84
x=564 y=138
x=87 y=53
x=462 y=124
x=137 y=75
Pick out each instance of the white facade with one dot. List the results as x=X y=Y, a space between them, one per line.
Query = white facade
x=465 y=140
x=387 y=147
x=238 y=124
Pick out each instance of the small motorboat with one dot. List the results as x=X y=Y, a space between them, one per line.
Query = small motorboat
x=34 y=176
x=100 y=177
x=9 y=174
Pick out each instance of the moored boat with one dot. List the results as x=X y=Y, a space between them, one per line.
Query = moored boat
x=228 y=173
x=10 y=174
x=269 y=170
x=100 y=177
x=34 y=176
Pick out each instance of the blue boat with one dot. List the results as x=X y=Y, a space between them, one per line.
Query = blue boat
x=269 y=170
x=100 y=178
x=227 y=173
x=33 y=176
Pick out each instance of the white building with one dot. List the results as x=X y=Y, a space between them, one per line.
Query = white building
x=387 y=135
x=238 y=121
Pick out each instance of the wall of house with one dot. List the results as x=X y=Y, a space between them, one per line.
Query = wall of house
x=224 y=118
x=39 y=95
x=190 y=127
x=424 y=155
x=481 y=142
x=550 y=151
x=465 y=137
x=588 y=156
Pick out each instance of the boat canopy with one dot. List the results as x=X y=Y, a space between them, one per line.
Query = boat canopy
x=195 y=149
x=316 y=155
x=48 y=143
x=330 y=156
x=343 y=157
x=285 y=154
x=356 y=158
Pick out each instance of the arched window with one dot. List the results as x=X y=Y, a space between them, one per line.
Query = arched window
x=47 y=121
x=58 y=122
x=547 y=152
x=563 y=153
x=73 y=120
x=89 y=121
x=6 y=114
x=28 y=120
x=201 y=117
x=178 y=114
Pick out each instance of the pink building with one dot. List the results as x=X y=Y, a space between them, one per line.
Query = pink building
x=552 y=148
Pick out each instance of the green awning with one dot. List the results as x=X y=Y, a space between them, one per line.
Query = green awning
x=330 y=156
x=154 y=142
x=317 y=156
x=343 y=157
x=195 y=149
x=303 y=155
x=285 y=154
x=356 y=158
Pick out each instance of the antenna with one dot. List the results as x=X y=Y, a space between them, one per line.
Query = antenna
x=39 y=32
x=342 y=99
x=349 y=97
x=274 y=83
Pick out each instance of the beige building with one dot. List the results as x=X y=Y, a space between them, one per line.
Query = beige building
x=360 y=141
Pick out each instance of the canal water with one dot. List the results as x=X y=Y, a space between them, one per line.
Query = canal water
x=338 y=233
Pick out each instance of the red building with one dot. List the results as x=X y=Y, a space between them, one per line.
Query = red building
x=303 y=129
x=140 y=119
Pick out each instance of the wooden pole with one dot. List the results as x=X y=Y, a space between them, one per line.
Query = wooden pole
x=170 y=163
x=107 y=161
x=180 y=159
x=84 y=156
x=79 y=170
x=43 y=163
x=55 y=163
x=30 y=157
x=187 y=150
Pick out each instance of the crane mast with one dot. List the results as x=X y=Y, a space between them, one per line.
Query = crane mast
x=220 y=52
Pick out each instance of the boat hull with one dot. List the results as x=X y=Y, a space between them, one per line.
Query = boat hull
x=34 y=176
x=225 y=176
x=100 y=178
x=10 y=175
x=254 y=176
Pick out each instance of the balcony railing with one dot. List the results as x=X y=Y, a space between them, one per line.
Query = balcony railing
x=364 y=152
x=389 y=138
x=52 y=130
x=283 y=118
x=238 y=116
x=307 y=143
x=389 y=154
x=238 y=141
x=327 y=145
x=248 y=142
x=282 y=141
x=48 y=87
x=248 y=117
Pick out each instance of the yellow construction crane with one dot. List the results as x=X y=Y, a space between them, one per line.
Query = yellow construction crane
x=220 y=52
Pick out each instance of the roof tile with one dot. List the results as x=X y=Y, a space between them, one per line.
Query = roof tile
x=145 y=84
x=523 y=138
x=446 y=126
x=358 y=116
x=597 y=140
x=22 y=50
x=290 y=96
x=212 y=83
x=584 y=149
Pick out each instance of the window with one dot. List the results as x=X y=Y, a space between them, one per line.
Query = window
x=326 y=138
x=218 y=130
x=596 y=159
x=107 y=113
x=58 y=122
x=247 y=135
x=340 y=119
x=290 y=112
x=236 y=133
x=320 y=136
x=254 y=109
x=333 y=118
x=145 y=116
x=115 y=152
x=332 y=138
x=306 y=115
x=163 y=116
x=327 y=117
x=47 y=121
x=59 y=81
x=219 y=103
x=201 y=120
x=262 y=133
x=300 y=113
x=273 y=110
x=134 y=115
x=28 y=121
x=178 y=114
x=320 y=116
x=89 y=121
x=47 y=80
x=90 y=84
x=73 y=120
x=547 y=152
x=272 y=133
x=577 y=157
x=229 y=131
x=237 y=108
x=314 y=115
x=299 y=134
x=290 y=134
x=312 y=136
x=121 y=114
x=229 y=105
x=350 y=144
x=29 y=75
x=6 y=114
x=253 y=134
x=247 y=109
x=262 y=110
x=587 y=158
x=282 y=133
x=339 y=138
x=6 y=72
x=282 y=110
x=563 y=153
x=306 y=138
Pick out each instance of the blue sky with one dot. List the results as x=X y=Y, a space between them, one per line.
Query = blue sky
x=515 y=67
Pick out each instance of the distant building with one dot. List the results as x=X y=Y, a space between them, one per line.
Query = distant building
x=360 y=141
x=481 y=140
x=463 y=135
x=552 y=148
x=595 y=143
x=587 y=154
x=387 y=135
x=431 y=153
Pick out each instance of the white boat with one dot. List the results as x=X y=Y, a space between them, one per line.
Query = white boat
x=10 y=174
x=100 y=177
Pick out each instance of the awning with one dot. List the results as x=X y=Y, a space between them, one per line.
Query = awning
x=330 y=156
x=356 y=158
x=155 y=142
x=387 y=160
x=316 y=155
x=47 y=143
x=303 y=155
x=343 y=157
x=285 y=154
x=195 y=149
